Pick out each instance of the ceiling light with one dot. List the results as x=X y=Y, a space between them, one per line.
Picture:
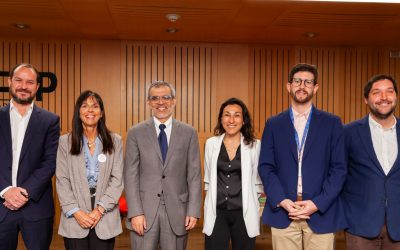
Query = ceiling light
x=172 y=30
x=21 y=25
x=310 y=34
x=172 y=17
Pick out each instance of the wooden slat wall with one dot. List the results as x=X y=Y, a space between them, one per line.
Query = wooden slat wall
x=343 y=72
x=187 y=67
x=61 y=58
x=204 y=76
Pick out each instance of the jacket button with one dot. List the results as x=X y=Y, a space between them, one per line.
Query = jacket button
x=163 y=176
x=159 y=195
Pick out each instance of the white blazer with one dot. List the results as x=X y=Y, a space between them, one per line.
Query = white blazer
x=251 y=184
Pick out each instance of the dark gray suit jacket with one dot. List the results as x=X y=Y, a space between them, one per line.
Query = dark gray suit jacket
x=179 y=179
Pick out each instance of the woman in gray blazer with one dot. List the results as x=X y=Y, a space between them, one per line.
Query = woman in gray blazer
x=89 y=178
x=231 y=180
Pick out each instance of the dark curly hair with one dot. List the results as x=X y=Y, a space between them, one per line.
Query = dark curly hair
x=377 y=78
x=247 y=128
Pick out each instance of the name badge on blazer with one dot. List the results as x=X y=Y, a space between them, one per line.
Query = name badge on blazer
x=102 y=158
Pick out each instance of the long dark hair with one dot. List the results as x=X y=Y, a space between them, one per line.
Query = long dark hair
x=77 y=128
x=247 y=128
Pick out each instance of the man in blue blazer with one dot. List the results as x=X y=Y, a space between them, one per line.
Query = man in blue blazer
x=372 y=190
x=28 y=146
x=302 y=166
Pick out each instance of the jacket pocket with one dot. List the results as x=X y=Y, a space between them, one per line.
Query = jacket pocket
x=184 y=197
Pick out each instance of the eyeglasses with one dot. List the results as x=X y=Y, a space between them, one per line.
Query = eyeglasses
x=307 y=82
x=164 y=98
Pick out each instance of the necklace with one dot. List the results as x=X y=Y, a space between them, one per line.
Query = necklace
x=91 y=144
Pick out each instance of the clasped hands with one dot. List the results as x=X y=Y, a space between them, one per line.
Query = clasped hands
x=299 y=210
x=15 y=198
x=89 y=220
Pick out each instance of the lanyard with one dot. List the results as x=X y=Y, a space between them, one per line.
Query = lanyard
x=300 y=145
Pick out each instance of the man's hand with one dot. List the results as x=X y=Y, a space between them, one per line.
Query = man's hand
x=293 y=208
x=307 y=208
x=83 y=219
x=15 y=197
x=190 y=222
x=289 y=206
x=139 y=224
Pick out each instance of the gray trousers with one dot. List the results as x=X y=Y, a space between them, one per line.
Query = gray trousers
x=160 y=235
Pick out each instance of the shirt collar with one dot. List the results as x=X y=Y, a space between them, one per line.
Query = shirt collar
x=12 y=106
x=167 y=123
x=305 y=114
x=375 y=124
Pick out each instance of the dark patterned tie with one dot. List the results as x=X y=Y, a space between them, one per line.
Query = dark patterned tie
x=162 y=140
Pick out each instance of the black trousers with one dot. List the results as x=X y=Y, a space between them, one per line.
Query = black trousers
x=37 y=235
x=229 y=225
x=91 y=242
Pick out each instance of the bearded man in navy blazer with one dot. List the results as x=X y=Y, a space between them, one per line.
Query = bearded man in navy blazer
x=29 y=140
x=302 y=166
x=372 y=190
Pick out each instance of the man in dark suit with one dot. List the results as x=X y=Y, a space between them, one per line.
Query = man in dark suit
x=372 y=190
x=162 y=176
x=302 y=166
x=29 y=139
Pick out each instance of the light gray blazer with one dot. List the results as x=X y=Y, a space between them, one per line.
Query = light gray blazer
x=73 y=189
x=179 y=178
x=251 y=184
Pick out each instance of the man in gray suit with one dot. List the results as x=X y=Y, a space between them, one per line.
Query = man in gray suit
x=162 y=176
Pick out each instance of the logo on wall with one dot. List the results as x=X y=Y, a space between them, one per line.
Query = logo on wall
x=39 y=94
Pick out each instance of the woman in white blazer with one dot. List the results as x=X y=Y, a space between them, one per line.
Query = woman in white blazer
x=231 y=181
x=89 y=178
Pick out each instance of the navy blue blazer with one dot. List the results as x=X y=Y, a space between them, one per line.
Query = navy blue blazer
x=368 y=193
x=37 y=161
x=323 y=170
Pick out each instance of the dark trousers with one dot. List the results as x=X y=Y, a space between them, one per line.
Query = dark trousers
x=381 y=242
x=37 y=235
x=91 y=242
x=229 y=225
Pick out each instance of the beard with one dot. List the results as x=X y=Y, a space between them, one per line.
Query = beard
x=22 y=101
x=308 y=97
x=380 y=115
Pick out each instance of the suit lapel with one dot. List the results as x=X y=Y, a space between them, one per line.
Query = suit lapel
x=152 y=135
x=173 y=140
x=5 y=128
x=287 y=125
x=315 y=124
x=30 y=130
x=102 y=166
x=396 y=164
x=81 y=168
x=365 y=135
x=246 y=163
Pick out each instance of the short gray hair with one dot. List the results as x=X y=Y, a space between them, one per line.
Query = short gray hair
x=159 y=84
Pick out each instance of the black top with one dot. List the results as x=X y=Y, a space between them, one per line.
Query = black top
x=229 y=180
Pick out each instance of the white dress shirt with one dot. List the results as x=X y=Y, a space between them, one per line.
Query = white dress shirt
x=385 y=143
x=299 y=123
x=168 y=127
x=18 y=125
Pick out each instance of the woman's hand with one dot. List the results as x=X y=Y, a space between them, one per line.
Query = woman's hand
x=96 y=215
x=83 y=219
